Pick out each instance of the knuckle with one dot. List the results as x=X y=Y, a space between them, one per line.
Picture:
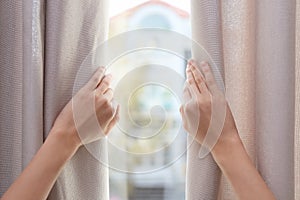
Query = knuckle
x=106 y=102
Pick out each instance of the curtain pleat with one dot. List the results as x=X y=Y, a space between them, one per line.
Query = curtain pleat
x=42 y=45
x=21 y=86
x=257 y=41
x=33 y=83
x=203 y=175
x=73 y=29
x=275 y=94
x=238 y=26
x=297 y=106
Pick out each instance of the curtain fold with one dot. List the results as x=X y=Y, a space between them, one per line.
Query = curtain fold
x=73 y=29
x=238 y=27
x=275 y=94
x=297 y=106
x=256 y=39
x=42 y=45
x=21 y=104
x=203 y=175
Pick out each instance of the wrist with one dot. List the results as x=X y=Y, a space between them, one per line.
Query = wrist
x=68 y=142
x=226 y=145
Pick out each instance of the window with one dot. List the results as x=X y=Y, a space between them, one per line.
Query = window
x=153 y=118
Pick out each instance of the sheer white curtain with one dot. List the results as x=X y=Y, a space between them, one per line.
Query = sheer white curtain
x=42 y=44
x=254 y=43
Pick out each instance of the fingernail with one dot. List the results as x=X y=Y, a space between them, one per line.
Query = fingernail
x=102 y=68
x=192 y=62
x=188 y=65
x=188 y=68
x=109 y=75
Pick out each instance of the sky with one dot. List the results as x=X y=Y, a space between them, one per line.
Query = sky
x=118 y=6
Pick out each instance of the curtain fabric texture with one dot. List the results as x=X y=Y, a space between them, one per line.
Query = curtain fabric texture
x=254 y=43
x=297 y=106
x=42 y=45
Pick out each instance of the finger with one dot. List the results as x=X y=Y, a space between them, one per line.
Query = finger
x=192 y=86
x=209 y=77
x=104 y=84
x=198 y=76
x=184 y=118
x=108 y=94
x=193 y=63
x=181 y=109
x=114 y=120
x=186 y=94
x=96 y=78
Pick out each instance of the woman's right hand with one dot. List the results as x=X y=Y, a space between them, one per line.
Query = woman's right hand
x=83 y=122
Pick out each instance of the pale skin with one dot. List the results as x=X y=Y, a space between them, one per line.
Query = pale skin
x=36 y=181
x=63 y=141
x=229 y=152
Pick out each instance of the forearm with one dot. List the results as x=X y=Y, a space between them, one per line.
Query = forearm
x=238 y=168
x=37 y=179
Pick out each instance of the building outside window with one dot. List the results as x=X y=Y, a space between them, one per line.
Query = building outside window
x=153 y=120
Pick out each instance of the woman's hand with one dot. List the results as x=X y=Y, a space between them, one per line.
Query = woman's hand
x=229 y=152
x=90 y=113
x=203 y=93
x=92 y=101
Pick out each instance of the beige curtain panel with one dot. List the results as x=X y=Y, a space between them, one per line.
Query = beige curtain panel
x=297 y=107
x=42 y=45
x=254 y=42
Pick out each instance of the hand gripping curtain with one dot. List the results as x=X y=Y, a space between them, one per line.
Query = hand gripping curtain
x=42 y=45
x=253 y=42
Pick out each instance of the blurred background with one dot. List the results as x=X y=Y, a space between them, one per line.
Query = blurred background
x=154 y=110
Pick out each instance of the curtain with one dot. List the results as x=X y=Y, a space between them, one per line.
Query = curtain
x=253 y=42
x=42 y=45
x=203 y=175
x=297 y=106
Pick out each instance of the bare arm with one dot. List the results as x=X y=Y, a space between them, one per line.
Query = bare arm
x=233 y=160
x=37 y=179
x=229 y=152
